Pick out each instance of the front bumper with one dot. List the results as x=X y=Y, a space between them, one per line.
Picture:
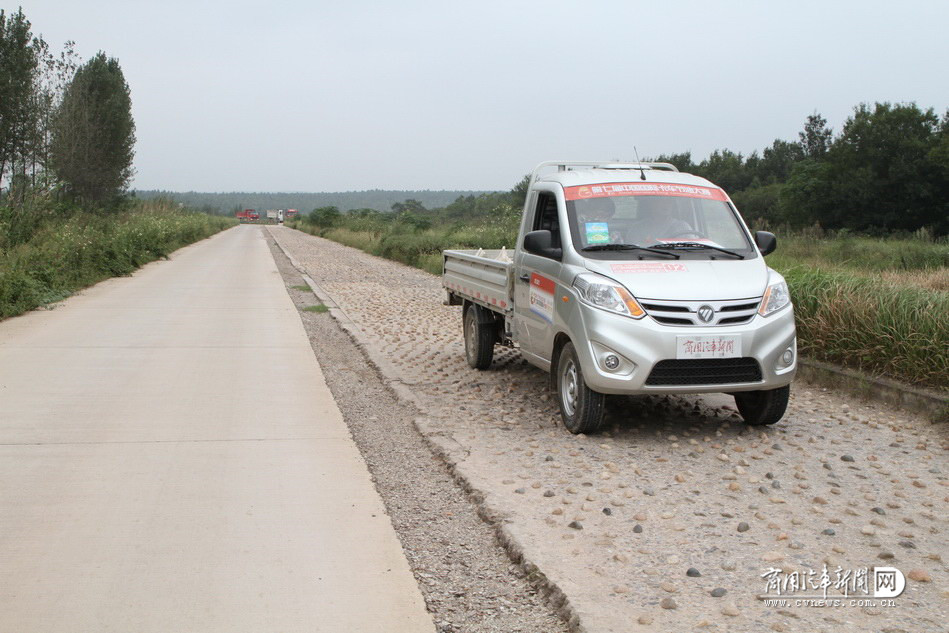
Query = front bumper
x=641 y=344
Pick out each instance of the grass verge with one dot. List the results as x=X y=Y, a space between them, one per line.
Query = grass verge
x=883 y=329
x=64 y=254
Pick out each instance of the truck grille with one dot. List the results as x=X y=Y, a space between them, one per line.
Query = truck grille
x=704 y=371
x=733 y=312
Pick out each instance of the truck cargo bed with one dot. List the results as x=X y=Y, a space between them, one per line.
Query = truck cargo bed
x=483 y=277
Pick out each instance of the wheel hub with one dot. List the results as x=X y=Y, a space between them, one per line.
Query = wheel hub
x=471 y=337
x=568 y=387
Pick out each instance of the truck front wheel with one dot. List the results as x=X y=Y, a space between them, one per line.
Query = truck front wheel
x=763 y=407
x=480 y=335
x=580 y=407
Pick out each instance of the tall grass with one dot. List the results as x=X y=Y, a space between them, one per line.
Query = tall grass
x=863 y=253
x=63 y=254
x=878 y=305
x=363 y=240
x=882 y=329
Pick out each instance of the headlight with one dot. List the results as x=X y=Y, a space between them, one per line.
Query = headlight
x=775 y=298
x=608 y=295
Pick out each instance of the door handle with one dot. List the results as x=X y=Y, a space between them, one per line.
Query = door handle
x=525 y=278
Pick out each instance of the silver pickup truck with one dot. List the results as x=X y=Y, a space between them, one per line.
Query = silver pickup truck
x=632 y=279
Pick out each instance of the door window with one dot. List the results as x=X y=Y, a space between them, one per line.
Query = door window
x=547 y=219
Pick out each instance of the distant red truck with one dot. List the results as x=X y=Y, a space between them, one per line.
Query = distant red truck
x=291 y=213
x=247 y=215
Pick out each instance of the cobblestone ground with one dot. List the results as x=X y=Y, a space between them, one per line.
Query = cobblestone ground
x=672 y=518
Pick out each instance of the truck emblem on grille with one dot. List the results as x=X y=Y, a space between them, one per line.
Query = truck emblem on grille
x=706 y=313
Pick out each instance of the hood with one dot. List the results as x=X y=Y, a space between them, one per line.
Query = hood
x=687 y=280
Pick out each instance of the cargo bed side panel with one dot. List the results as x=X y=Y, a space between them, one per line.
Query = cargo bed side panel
x=479 y=278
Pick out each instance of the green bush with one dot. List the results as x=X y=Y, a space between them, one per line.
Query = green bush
x=363 y=240
x=759 y=202
x=408 y=248
x=431 y=263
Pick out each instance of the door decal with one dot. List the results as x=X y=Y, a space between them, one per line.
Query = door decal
x=542 y=297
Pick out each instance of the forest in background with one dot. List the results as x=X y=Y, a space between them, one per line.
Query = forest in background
x=885 y=171
x=227 y=203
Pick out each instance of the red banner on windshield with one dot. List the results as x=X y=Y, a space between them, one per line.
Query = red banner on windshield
x=582 y=192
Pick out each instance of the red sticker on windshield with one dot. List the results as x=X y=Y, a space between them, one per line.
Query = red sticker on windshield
x=607 y=190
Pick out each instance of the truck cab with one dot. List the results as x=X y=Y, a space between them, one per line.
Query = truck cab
x=637 y=279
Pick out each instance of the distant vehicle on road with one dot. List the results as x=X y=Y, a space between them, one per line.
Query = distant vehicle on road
x=247 y=215
x=280 y=216
x=291 y=213
x=632 y=279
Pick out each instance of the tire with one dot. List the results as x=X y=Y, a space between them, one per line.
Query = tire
x=480 y=335
x=581 y=408
x=763 y=407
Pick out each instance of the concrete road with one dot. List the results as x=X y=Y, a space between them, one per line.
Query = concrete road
x=171 y=460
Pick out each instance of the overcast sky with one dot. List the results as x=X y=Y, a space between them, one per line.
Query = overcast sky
x=319 y=96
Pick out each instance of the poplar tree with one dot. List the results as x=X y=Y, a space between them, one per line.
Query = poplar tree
x=93 y=133
x=18 y=73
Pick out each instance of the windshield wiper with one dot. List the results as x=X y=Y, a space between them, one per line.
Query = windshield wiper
x=697 y=245
x=627 y=247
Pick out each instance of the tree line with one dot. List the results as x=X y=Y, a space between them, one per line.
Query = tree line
x=886 y=171
x=226 y=203
x=498 y=207
x=66 y=129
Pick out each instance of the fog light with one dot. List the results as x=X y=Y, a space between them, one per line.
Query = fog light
x=788 y=357
x=611 y=362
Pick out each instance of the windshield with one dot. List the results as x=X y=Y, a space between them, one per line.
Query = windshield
x=653 y=215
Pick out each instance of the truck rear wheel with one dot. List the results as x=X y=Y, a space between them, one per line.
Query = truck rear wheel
x=580 y=407
x=480 y=335
x=763 y=407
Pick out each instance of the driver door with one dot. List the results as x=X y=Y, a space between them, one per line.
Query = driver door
x=536 y=279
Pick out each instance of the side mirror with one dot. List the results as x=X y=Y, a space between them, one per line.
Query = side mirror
x=767 y=242
x=540 y=243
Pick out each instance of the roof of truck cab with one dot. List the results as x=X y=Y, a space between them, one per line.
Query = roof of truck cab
x=572 y=178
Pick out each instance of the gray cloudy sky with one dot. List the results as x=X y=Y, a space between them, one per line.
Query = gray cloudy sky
x=330 y=96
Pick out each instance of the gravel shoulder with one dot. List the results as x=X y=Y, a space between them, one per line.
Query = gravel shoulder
x=669 y=519
x=467 y=580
